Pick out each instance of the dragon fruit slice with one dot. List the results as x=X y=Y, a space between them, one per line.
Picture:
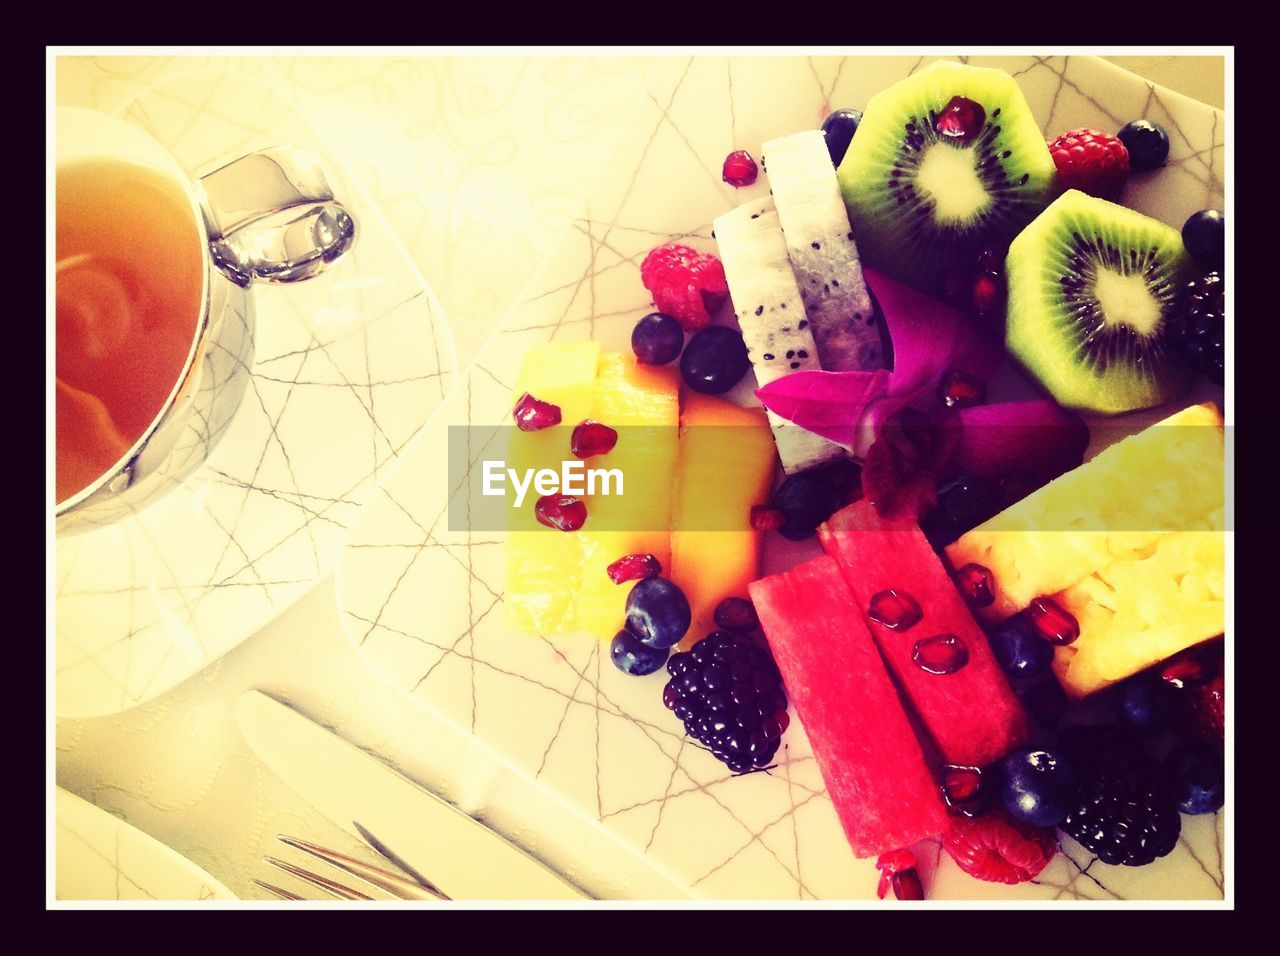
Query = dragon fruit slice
x=772 y=318
x=824 y=257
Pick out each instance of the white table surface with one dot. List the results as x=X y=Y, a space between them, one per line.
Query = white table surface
x=476 y=162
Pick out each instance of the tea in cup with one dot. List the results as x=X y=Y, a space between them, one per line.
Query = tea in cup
x=154 y=330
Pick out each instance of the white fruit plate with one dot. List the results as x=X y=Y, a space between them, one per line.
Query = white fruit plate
x=423 y=602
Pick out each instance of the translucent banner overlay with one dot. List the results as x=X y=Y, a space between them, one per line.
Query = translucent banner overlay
x=1171 y=481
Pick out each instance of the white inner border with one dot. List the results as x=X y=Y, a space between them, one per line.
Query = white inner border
x=51 y=55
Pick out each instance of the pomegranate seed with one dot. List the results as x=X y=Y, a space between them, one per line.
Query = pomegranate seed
x=977 y=584
x=634 y=567
x=907 y=886
x=991 y=260
x=533 y=414
x=962 y=390
x=739 y=169
x=895 y=861
x=1187 y=672
x=592 y=438
x=764 y=518
x=988 y=294
x=944 y=654
x=963 y=791
x=896 y=610
x=960 y=783
x=898 y=869
x=562 y=512
x=961 y=119
x=1052 y=622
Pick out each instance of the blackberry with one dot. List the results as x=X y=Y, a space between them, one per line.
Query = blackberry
x=1124 y=809
x=1198 y=329
x=729 y=694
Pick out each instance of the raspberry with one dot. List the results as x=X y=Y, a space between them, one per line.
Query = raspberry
x=995 y=849
x=729 y=694
x=684 y=283
x=1091 y=161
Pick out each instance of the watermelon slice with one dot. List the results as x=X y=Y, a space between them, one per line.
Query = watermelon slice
x=971 y=713
x=868 y=754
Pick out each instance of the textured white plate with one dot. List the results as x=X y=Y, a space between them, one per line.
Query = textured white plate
x=100 y=857
x=349 y=366
x=423 y=603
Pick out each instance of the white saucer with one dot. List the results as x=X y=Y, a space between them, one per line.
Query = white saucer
x=349 y=367
x=99 y=857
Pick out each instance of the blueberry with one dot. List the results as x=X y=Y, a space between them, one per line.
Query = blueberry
x=1204 y=235
x=657 y=613
x=736 y=614
x=963 y=504
x=657 y=339
x=1146 y=703
x=632 y=657
x=1147 y=144
x=1036 y=786
x=1020 y=651
x=714 y=360
x=1200 y=777
x=838 y=128
x=810 y=497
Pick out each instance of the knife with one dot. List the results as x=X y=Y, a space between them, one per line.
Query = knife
x=370 y=800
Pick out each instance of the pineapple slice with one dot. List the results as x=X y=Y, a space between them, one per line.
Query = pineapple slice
x=726 y=466
x=1145 y=607
x=643 y=404
x=1114 y=508
x=543 y=564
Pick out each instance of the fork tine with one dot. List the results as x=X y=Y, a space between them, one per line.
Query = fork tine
x=320 y=882
x=385 y=852
x=272 y=888
x=392 y=883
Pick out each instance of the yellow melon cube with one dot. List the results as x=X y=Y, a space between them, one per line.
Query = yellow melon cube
x=543 y=564
x=642 y=403
x=727 y=459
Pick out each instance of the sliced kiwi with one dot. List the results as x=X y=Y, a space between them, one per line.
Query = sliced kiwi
x=1092 y=288
x=922 y=203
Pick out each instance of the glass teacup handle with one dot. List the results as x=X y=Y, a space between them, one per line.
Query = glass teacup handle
x=272 y=215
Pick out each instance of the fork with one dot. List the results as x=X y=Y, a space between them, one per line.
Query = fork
x=413 y=887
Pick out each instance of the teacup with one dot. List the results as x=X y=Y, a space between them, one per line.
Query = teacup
x=155 y=321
